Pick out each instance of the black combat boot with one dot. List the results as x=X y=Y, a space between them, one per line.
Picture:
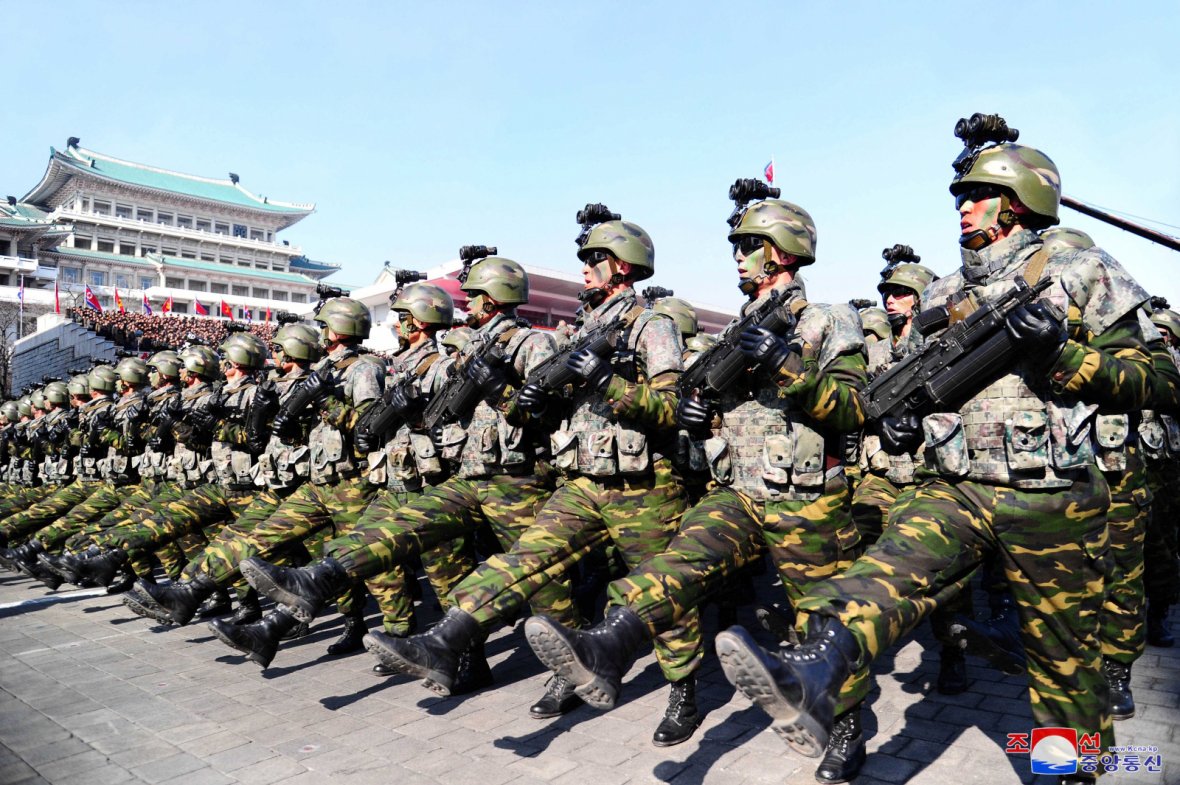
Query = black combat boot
x=249 y=609
x=796 y=686
x=141 y=603
x=1118 y=676
x=23 y=558
x=351 y=640
x=103 y=568
x=179 y=601
x=433 y=655
x=845 y=753
x=559 y=699
x=997 y=640
x=681 y=717
x=778 y=623
x=594 y=660
x=952 y=671
x=55 y=564
x=216 y=604
x=66 y=565
x=473 y=674
x=258 y=641
x=40 y=570
x=304 y=590
x=1158 y=633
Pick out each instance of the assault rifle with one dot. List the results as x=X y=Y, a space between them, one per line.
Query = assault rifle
x=721 y=365
x=460 y=395
x=553 y=374
x=968 y=356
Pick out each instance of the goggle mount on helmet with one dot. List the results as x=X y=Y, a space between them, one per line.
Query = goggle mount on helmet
x=470 y=254
x=745 y=190
x=898 y=254
x=590 y=216
x=977 y=132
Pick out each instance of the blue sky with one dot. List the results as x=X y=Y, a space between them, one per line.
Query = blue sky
x=417 y=128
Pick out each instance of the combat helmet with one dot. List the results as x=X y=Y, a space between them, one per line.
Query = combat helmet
x=427 y=303
x=244 y=349
x=1167 y=319
x=166 y=363
x=58 y=392
x=102 y=378
x=457 y=338
x=501 y=279
x=788 y=226
x=875 y=322
x=132 y=371
x=915 y=277
x=200 y=361
x=625 y=241
x=11 y=411
x=1063 y=238
x=701 y=342
x=79 y=385
x=345 y=316
x=298 y=342
x=37 y=399
x=681 y=312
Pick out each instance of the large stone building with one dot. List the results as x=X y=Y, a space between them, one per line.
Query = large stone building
x=100 y=221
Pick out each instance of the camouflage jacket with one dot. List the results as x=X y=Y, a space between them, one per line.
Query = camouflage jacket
x=488 y=442
x=90 y=438
x=191 y=462
x=1159 y=429
x=152 y=463
x=633 y=422
x=56 y=427
x=410 y=459
x=234 y=463
x=125 y=441
x=898 y=469
x=1043 y=423
x=286 y=462
x=776 y=438
x=355 y=382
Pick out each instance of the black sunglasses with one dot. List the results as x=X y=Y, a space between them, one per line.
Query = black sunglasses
x=976 y=194
x=597 y=257
x=748 y=244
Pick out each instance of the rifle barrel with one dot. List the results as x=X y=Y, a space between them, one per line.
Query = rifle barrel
x=1160 y=238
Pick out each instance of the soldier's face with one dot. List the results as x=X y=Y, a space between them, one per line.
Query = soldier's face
x=979 y=210
x=899 y=300
x=597 y=271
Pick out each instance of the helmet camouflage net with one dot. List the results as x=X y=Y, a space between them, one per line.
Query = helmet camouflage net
x=201 y=361
x=132 y=371
x=503 y=280
x=627 y=242
x=1062 y=238
x=298 y=342
x=246 y=350
x=427 y=303
x=1024 y=171
x=787 y=226
x=346 y=317
x=681 y=312
x=102 y=378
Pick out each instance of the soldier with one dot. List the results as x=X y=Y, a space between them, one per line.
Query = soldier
x=496 y=479
x=455 y=340
x=774 y=453
x=1014 y=474
x=876 y=325
x=1159 y=434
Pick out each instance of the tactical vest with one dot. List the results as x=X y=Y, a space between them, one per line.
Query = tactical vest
x=332 y=457
x=121 y=464
x=234 y=465
x=192 y=467
x=284 y=466
x=410 y=460
x=151 y=464
x=87 y=468
x=898 y=469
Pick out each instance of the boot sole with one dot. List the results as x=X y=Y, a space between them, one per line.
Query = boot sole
x=265 y=586
x=980 y=645
x=557 y=655
x=251 y=655
x=141 y=607
x=746 y=671
x=435 y=681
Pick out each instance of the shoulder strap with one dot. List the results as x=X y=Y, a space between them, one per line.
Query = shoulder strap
x=340 y=365
x=424 y=366
x=1036 y=267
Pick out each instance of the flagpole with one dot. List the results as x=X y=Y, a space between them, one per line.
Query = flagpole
x=20 y=325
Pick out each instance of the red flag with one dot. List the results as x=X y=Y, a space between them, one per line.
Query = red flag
x=199 y=309
x=268 y=313
x=226 y=311
x=768 y=172
x=167 y=307
x=56 y=302
x=119 y=301
x=92 y=301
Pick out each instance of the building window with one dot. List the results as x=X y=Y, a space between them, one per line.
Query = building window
x=218 y=288
x=96 y=277
x=265 y=293
x=208 y=257
x=187 y=255
x=196 y=286
x=142 y=214
x=82 y=242
x=123 y=211
x=146 y=282
x=70 y=274
x=184 y=221
x=179 y=307
x=204 y=225
x=261 y=264
x=257 y=234
x=164 y=218
x=102 y=208
x=220 y=228
x=241 y=291
x=127 y=249
x=243 y=262
x=298 y=297
x=174 y=283
x=122 y=280
x=167 y=251
x=277 y=295
x=240 y=230
x=147 y=249
x=106 y=246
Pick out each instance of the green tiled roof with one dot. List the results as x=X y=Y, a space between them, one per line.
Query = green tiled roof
x=230 y=269
x=207 y=188
x=303 y=263
x=103 y=256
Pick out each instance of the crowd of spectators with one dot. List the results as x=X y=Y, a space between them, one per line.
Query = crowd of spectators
x=140 y=332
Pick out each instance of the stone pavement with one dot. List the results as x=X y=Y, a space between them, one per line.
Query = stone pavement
x=91 y=694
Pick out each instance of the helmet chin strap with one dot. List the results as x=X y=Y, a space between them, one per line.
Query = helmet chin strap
x=1005 y=219
x=749 y=286
x=897 y=320
x=592 y=298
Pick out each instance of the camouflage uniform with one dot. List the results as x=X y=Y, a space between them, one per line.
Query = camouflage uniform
x=1016 y=476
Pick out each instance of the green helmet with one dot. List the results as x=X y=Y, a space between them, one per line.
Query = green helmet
x=627 y=242
x=681 y=312
x=1061 y=238
x=298 y=342
x=10 y=410
x=875 y=322
x=245 y=349
x=132 y=370
x=57 y=392
x=788 y=226
x=166 y=362
x=102 y=378
x=1167 y=319
x=79 y=385
x=427 y=303
x=1024 y=171
x=458 y=337
x=345 y=316
x=915 y=277
x=701 y=342
x=201 y=361
x=504 y=280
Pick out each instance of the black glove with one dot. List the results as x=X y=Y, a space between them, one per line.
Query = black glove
x=588 y=365
x=204 y=419
x=693 y=415
x=406 y=399
x=533 y=399
x=1035 y=330
x=765 y=348
x=899 y=435
x=285 y=425
x=491 y=378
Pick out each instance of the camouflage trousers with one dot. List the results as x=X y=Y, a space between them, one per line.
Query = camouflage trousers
x=104 y=499
x=1053 y=548
x=1161 y=550
x=219 y=559
x=445 y=565
x=176 y=513
x=807 y=541
x=638 y=515
x=310 y=509
x=44 y=512
x=452 y=509
x=170 y=555
x=1123 y=627
x=20 y=498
